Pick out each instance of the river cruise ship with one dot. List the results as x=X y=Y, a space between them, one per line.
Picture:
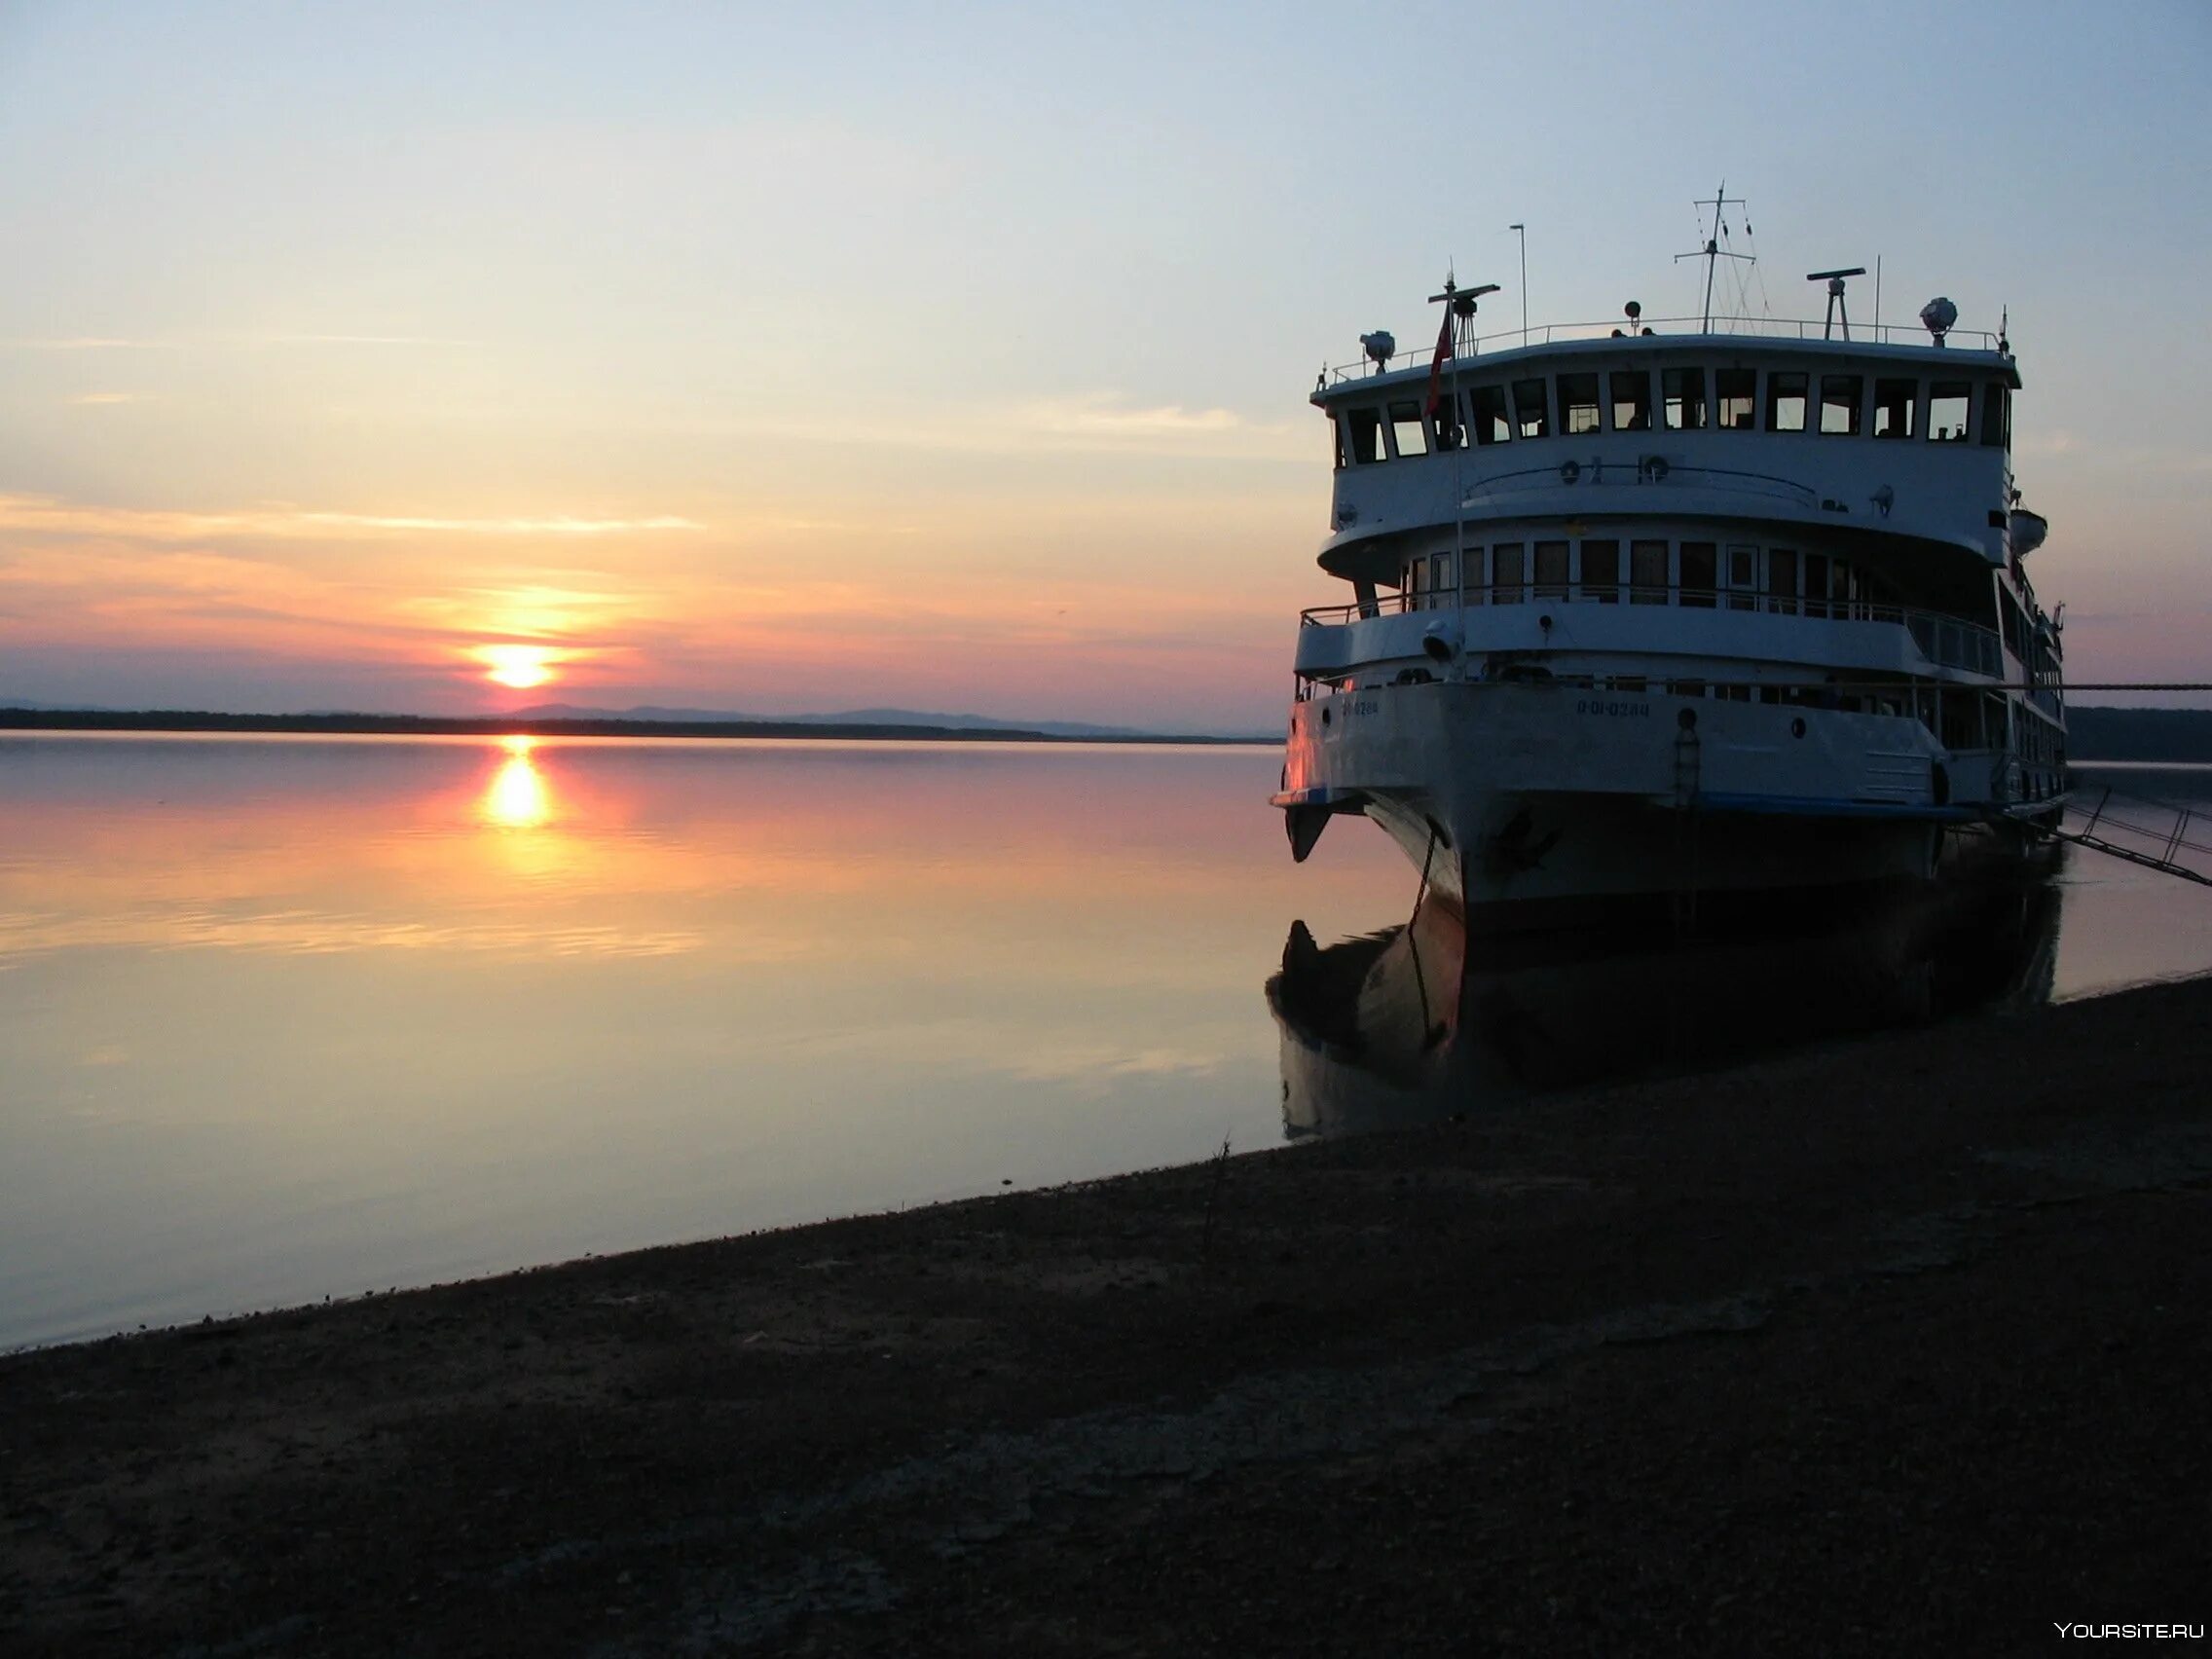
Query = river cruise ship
x=1654 y=615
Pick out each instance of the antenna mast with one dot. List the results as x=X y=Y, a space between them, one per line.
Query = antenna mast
x=1712 y=253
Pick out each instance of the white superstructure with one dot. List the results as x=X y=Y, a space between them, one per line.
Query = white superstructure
x=1644 y=610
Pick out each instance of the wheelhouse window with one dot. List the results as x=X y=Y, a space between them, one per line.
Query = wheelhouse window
x=1506 y=573
x=1366 y=428
x=1947 y=402
x=1602 y=571
x=1894 y=401
x=1995 y=416
x=1530 y=414
x=1737 y=393
x=1841 y=399
x=1577 y=404
x=1630 y=392
x=1647 y=572
x=1451 y=433
x=1492 y=425
x=1341 y=439
x=1406 y=429
x=1682 y=396
x=1785 y=402
x=1551 y=569
x=1699 y=564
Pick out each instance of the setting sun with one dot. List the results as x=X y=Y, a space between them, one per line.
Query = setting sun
x=518 y=666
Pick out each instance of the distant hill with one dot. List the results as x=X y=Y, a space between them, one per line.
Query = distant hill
x=848 y=718
x=573 y=723
x=2139 y=734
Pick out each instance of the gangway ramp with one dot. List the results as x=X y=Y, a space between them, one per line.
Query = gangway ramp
x=2152 y=833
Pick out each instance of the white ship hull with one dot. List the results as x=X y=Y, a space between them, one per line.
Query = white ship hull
x=1540 y=805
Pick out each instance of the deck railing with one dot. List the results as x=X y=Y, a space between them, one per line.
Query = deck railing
x=1942 y=639
x=1417 y=346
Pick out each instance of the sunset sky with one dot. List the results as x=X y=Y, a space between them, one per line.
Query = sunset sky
x=779 y=358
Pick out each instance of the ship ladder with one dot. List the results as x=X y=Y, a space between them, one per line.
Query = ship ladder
x=2154 y=844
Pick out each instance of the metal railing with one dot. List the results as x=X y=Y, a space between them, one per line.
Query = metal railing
x=1757 y=328
x=1945 y=641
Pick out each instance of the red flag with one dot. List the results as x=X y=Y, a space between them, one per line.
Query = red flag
x=1436 y=365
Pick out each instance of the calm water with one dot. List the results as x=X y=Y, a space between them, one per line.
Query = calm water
x=283 y=1018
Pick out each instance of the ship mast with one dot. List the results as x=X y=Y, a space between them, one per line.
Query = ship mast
x=1712 y=252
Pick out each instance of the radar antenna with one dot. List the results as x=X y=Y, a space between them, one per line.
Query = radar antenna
x=1712 y=252
x=1459 y=310
x=1836 y=310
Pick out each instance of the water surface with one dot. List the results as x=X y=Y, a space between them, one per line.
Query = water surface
x=289 y=1018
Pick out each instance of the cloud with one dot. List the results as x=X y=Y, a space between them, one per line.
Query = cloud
x=45 y=513
x=1096 y=417
x=88 y=398
x=364 y=340
x=84 y=343
x=561 y=525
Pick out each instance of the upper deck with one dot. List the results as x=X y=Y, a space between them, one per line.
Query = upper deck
x=1884 y=435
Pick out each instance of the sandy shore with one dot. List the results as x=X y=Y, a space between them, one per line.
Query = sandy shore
x=1885 y=1345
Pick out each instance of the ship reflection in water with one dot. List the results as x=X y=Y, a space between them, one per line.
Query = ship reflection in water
x=1410 y=1024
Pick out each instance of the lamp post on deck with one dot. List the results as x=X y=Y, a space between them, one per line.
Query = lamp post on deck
x=1521 y=231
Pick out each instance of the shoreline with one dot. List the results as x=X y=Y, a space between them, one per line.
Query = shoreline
x=442 y=726
x=1894 y=1337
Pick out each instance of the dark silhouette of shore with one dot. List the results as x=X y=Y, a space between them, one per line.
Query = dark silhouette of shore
x=432 y=726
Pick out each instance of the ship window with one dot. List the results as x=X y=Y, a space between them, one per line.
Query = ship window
x=1816 y=584
x=1505 y=574
x=1892 y=407
x=1785 y=403
x=1577 y=404
x=1492 y=426
x=1840 y=399
x=1366 y=435
x=1343 y=441
x=1782 y=580
x=1529 y=410
x=1743 y=578
x=1471 y=588
x=1647 y=572
x=1551 y=569
x=1735 y=391
x=1684 y=398
x=1602 y=571
x=1441 y=581
x=1449 y=433
x=1412 y=437
x=1948 y=412
x=1632 y=400
x=1995 y=417
x=1698 y=566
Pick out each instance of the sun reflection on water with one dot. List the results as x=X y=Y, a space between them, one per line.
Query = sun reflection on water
x=517 y=798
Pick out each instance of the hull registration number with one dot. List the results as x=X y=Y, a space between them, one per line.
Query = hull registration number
x=1609 y=708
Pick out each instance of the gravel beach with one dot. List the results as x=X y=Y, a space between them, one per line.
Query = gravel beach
x=1893 y=1346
